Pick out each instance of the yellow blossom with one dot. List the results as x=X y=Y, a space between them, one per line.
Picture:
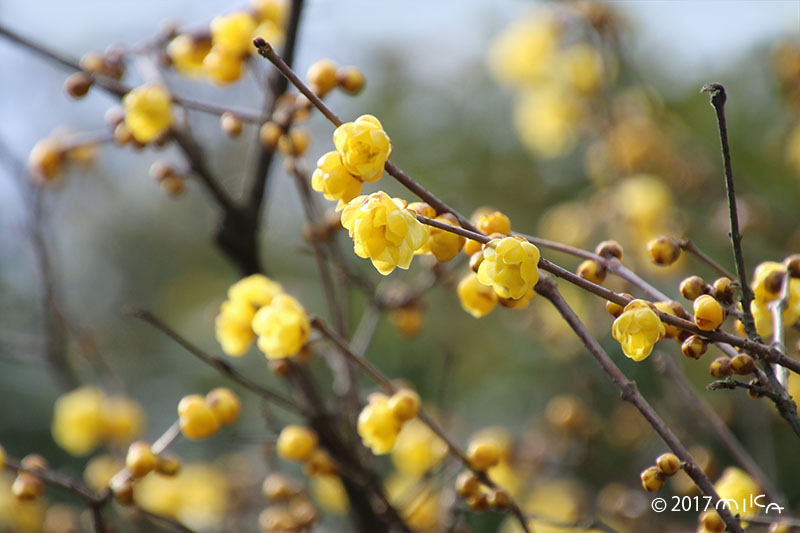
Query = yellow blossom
x=257 y=290
x=233 y=327
x=476 y=298
x=334 y=181
x=582 y=66
x=378 y=426
x=147 y=112
x=364 y=147
x=417 y=450
x=78 y=420
x=637 y=329
x=328 y=490
x=196 y=418
x=45 y=160
x=283 y=327
x=523 y=54
x=272 y=10
x=735 y=484
x=509 y=266
x=233 y=32
x=187 y=52
x=768 y=281
x=383 y=230
x=123 y=419
x=546 y=120
x=223 y=67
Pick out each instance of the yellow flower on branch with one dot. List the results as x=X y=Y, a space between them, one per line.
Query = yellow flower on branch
x=364 y=147
x=283 y=327
x=476 y=298
x=637 y=329
x=334 y=181
x=147 y=112
x=509 y=266
x=383 y=230
x=378 y=426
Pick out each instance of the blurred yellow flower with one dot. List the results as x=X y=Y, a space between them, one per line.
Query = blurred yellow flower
x=233 y=32
x=417 y=449
x=383 y=230
x=476 y=298
x=78 y=424
x=187 y=52
x=524 y=53
x=443 y=244
x=736 y=485
x=378 y=426
x=582 y=67
x=147 y=112
x=282 y=327
x=364 y=147
x=546 y=120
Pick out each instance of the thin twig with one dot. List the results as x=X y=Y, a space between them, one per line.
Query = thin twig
x=630 y=392
x=718 y=98
x=215 y=362
x=375 y=375
x=688 y=246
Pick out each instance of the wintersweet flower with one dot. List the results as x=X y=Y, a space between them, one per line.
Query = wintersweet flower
x=364 y=147
x=187 y=52
x=283 y=327
x=147 y=112
x=637 y=329
x=736 y=485
x=257 y=290
x=334 y=181
x=233 y=327
x=509 y=266
x=442 y=244
x=233 y=32
x=378 y=426
x=476 y=298
x=78 y=424
x=383 y=230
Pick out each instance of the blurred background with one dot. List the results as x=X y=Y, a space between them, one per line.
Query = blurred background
x=611 y=142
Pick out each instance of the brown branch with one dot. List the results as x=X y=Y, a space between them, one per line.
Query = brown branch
x=215 y=362
x=375 y=375
x=688 y=246
x=630 y=393
x=718 y=98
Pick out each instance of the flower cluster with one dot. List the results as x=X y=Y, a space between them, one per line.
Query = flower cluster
x=362 y=149
x=200 y=417
x=382 y=419
x=86 y=417
x=220 y=55
x=257 y=306
x=384 y=230
x=768 y=281
x=510 y=266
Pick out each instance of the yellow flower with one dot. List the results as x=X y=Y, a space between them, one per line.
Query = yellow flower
x=417 y=450
x=329 y=492
x=272 y=10
x=736 y=485
x=233 y=32
x=45 y=160
x=197 y=420
x=493 y=222
x=637 y=329
x=223 y=67
x=383 y=230
x=668 y=306
x=523 y=54
x=443 y=244
x=364 y=147
x=768 y=281
x=187 y=52
x=257 y=290
x=123 y=419
x=334 y=181
x=378 y=426
x=476 y=298
x=233 y=327
x=510 y=266
x=546 y=120
x=296 y=443
x=78 y=425
x=283 y=327
x=582 y=66
x=147 y=112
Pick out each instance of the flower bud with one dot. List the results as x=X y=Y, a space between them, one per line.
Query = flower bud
x=720 y=367
x=694 y=347
x=296 y=443
x=270 y=134
x=322 y=75
x=652 y=479
x=140 y=459
x=351 y=79
x=467 y=484
x=708 y=313
x=231 y=124
x=723 y=290
x=609 y=249
x=668 y=464
x=792 y=264
x=692 y=287
x=593 y=271
x=742 y=364
x=663 y=250
x=78 y=84
x=483 y=454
